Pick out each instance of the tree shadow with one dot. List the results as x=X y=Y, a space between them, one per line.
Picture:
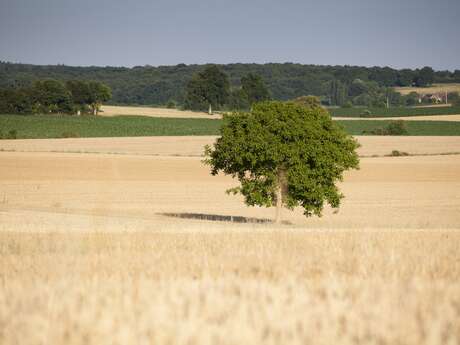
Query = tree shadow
x=219 y=218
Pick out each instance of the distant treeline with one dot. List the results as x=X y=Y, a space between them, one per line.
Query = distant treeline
x=55 y=97
x=148 y=85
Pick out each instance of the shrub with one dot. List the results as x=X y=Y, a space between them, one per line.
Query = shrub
x=397 y=128
x=171 y=105
x=347 y=105
x=366 y=113
x=393 y=128
x=396 y=153
x=70 y=135
x=13 y=134
x=308 y=101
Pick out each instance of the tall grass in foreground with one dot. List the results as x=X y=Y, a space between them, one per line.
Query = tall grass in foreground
x=264 y=287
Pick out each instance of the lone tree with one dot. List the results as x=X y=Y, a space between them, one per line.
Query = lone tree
x=207 y=89
x=98 y=93
x=284 y=154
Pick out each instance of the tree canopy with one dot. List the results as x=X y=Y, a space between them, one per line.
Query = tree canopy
x=55 y=97
x=254 y=88
x=284 y=154
x=208 y=89
x=151 y=85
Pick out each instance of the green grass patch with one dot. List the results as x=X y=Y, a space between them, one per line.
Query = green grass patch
x=393 y=112
x=48 y=126
x=428 y=128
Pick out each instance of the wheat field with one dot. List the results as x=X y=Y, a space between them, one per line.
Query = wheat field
x=112 y=110
x=145 y=247
x=435 y=88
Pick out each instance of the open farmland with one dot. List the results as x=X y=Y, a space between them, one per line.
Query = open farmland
x=55 y=126
x=443 y=118
x=436 y=88
x=192 y=146
x=388 y=113
x=144 y=246
x=112 y=110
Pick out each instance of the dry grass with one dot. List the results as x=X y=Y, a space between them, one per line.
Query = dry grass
x=57 y=191
x=193 y=146
x=87 y=256
x=452 y=87
x=108 y=110
x=231 y=288
x=174 y=113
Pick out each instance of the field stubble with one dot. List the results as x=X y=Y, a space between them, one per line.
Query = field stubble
x=231 y=288
x=88 y=258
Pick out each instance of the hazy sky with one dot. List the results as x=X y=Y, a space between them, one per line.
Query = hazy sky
x=396 y=33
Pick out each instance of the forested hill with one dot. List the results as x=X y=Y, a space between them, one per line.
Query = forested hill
x=158 y=85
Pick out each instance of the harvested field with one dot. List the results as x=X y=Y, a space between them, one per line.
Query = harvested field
x=56 y=191
x=136 y=249
x=111 y=110
x=269 y=287
x=192 y=146
x=451 y=87
x=175 y=113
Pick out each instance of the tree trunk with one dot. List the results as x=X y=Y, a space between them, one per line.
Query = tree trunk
x=281 y=189
x=210 y=109
x=279 y=203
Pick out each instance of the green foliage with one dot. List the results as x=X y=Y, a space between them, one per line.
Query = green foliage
x=68 y=134
x=12 y=134
x=412 y=99
x=98 y=93
x=424 y=77
x=308 y=101
x=284 y=146
x=51 y=96
x=150 y=85
x=454 y=99
x=396 y=153
x=405 y=77
x=392 y=128
x=238 y=100
x=171 y=105
x=347 y=104
x=337 y=92
x=54 y=97
x=207 y=89
x=365 y=113
x=17 y=101
x=254 y=88
x=397 y=128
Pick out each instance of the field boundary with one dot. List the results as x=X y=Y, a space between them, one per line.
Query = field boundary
x=178 y=155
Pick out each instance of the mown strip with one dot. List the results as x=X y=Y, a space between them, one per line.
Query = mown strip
x=46 y=126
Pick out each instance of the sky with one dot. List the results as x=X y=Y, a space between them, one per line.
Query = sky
x=395 y=33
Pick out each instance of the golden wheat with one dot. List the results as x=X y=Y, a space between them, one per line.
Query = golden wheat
x=89 y=255
x=231 y=288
